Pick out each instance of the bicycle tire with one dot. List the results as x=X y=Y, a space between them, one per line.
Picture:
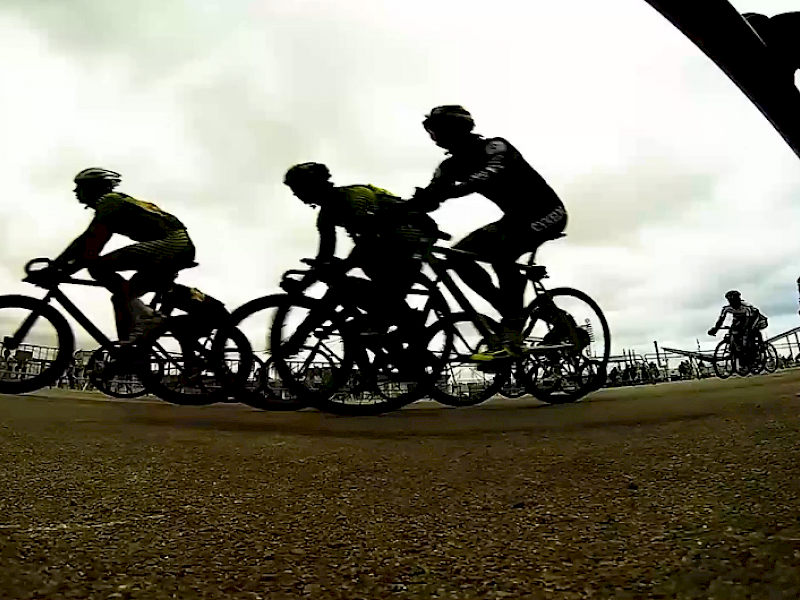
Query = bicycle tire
x=171 y=383
x=65 y=340
x=720 y=358
x=771 y=358
x=305 y=388
x=264 y=397
x=103 y=379
x=463 y=394
x=590 y=373
x=398 y=375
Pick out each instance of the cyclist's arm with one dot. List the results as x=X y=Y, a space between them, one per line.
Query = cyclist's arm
x=88 y=245
x=721 y=318
x=497 y=155
x=429 y=198
x=327 y=237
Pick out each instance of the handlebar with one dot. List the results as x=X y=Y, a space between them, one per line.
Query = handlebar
x=299 y=272
x=314 y=263
x=319 y=268
x=31 y=274
x=31 y=263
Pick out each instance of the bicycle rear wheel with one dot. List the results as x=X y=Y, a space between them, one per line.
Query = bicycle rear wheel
x=113 y=376
x=36 y=344
x=184 y=364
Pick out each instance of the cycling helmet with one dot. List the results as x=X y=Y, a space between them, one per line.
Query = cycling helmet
x=307 y=172
x=733 y=295
x=97 y=174
x=450 y=116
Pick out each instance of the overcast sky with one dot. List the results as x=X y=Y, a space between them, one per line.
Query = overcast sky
x=677 y=188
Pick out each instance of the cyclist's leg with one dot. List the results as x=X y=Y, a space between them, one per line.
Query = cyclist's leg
x=739 y=337
x=144 y=257
x=392 y=271
x=519 y=240
x=486 y=242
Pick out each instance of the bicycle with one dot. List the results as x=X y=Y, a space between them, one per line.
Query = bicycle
x=465 y=382
x=729 y=357
x=333 y=347
x=556 y=367
x=42 y=325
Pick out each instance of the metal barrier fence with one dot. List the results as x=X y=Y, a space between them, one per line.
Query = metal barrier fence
x=628 y=368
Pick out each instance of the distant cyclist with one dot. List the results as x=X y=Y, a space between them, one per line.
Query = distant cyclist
x=163 y=246
x=798 y=291
x=532 y=213
x=385 y=235
x=747 y=321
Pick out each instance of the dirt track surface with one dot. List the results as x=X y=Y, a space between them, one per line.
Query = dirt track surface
x=687 y=490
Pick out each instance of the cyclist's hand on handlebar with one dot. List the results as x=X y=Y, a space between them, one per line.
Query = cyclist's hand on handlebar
x=47 y=276
x=712 y=332
x=316 y=263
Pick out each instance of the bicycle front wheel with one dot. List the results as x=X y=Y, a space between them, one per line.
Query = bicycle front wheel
x=266 y=392
x=569 y=342
x=723 y=360
x=308 y=351
x=36 y=344
x=463 y=382
x=398 y=364
x=770 y=358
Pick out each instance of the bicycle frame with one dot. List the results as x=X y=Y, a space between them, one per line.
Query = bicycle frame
x=442 y=267
x=54 y=293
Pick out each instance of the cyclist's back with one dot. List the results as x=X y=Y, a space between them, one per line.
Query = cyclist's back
x=532 y=213
x=369 y=213
x=141 y=221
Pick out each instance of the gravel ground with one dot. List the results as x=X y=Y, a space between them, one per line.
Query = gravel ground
x=686 y=490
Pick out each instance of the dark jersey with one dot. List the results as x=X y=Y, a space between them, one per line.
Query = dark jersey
x=495 y=169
